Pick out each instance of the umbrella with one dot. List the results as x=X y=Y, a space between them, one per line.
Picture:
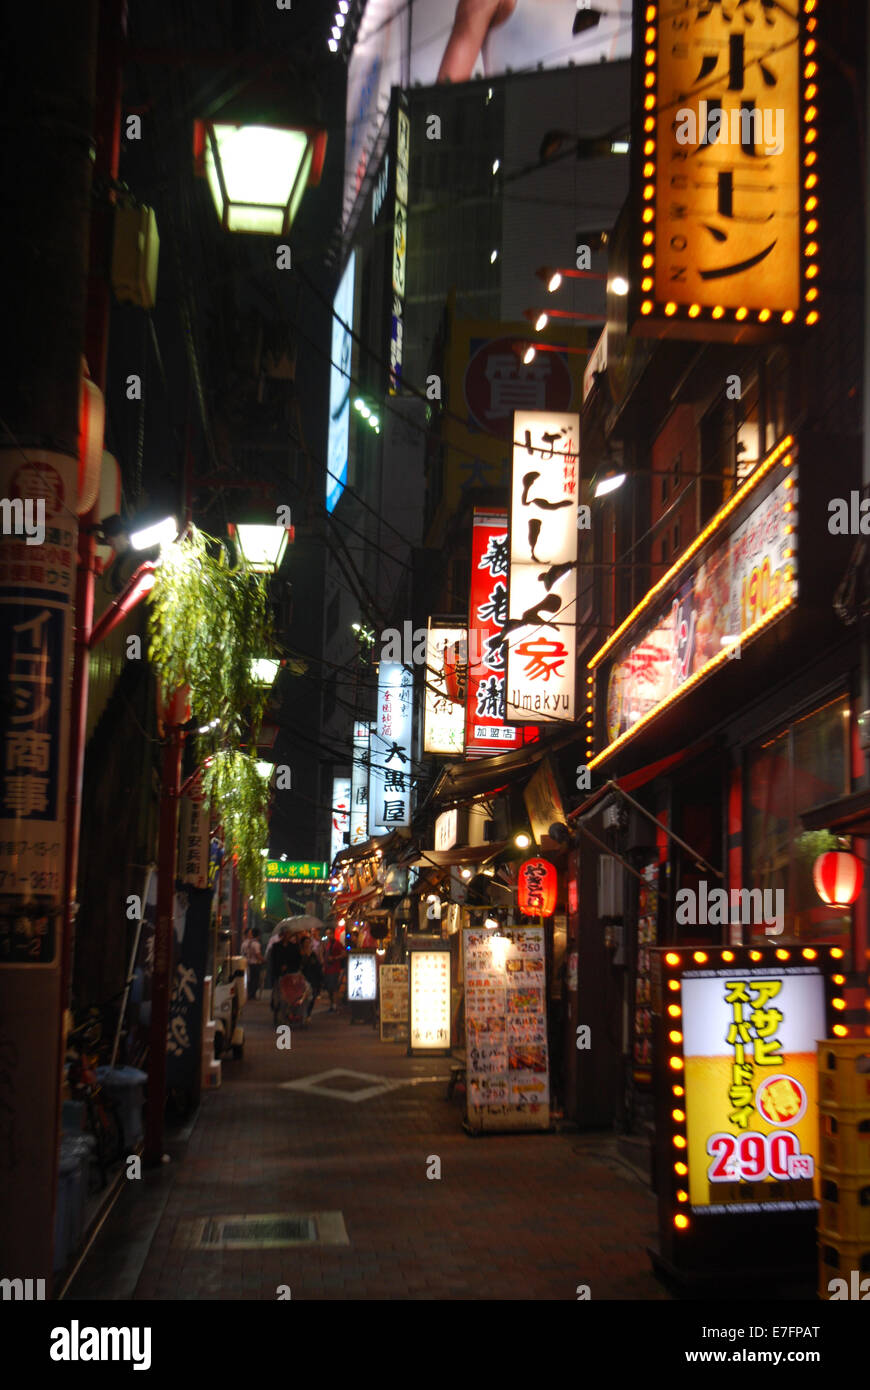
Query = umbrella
x=304 y=923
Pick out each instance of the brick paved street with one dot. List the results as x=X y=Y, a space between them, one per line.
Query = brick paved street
x=512 y=1217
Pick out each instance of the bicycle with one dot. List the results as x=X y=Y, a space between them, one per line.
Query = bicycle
x=104 y=1121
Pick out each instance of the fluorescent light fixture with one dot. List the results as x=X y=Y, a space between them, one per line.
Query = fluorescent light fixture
x=610 y=484
x=529 y=355
x=618 y=285
x=541 y=322
x=265 y=769
x=264 y=669
x=161 y=533
x=262 y=546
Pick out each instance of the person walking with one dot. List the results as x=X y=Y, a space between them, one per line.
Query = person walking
x=335 y=964
x=312 y=970
x=253 y=953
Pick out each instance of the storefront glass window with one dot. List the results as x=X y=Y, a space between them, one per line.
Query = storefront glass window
x=806 y=764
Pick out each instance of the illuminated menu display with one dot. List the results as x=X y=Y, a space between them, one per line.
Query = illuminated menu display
x=430 y=1001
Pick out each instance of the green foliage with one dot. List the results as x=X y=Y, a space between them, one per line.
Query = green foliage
x=207 y=622
x=239 y=797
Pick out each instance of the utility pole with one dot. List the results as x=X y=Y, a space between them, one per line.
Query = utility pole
x=47 y=107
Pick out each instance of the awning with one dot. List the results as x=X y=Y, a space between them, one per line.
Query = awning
x=458 y=854
x=477 y=776
x=593 y=804
x=346 y=902
x=368 y=848
x=848 y=815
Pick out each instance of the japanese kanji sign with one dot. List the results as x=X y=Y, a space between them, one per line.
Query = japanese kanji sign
x=36 y=588
x=340 y=814
x=359 y=783
x=362 y=977
x=444 y=719
x=538 y=640
x=750 y=1077
x=727 y=236
x=390 y=787
x=485 y=729
x=193 y=853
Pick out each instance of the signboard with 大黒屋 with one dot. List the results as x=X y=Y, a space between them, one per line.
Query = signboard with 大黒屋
x=724 y=592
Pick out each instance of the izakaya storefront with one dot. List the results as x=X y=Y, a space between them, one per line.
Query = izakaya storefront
x=725 y=711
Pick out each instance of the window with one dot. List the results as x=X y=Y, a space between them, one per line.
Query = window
x=803 y=766
x=676 y=536
x=665 y=487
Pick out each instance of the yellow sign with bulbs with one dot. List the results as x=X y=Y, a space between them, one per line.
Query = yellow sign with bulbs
x=727 y=170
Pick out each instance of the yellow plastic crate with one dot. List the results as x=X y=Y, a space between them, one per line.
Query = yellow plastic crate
x=842 y=1259
x=844 y=1072
x=844 y=1140
x=845 y=1207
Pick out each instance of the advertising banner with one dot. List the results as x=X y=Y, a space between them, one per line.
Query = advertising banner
x=444 y=719
x=37 y=581
x=749 y=1045
x=405 y=42
x=540 y=635
x=739 y=583
x=506 y=1028
x=359 y=784
x=340 y=815
x=340 y=385
x=390 y=787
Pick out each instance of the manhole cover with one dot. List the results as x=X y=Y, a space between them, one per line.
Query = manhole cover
x=273 y=1231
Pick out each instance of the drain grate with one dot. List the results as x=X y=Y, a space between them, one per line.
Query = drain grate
x=273 y=1231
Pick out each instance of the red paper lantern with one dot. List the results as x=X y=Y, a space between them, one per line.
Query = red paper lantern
x=838 y=877
x=537 y=883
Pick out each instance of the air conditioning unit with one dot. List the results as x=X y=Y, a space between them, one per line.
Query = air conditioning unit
x=610 y=886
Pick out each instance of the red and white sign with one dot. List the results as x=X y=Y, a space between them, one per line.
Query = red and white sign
x=340 y=813
x=541 y=627
x=485 y=728
x=497 y=383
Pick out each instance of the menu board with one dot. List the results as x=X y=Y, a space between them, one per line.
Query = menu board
x=647 y=934
x=507 y=1063
x=430 y=1001
x=393 y=984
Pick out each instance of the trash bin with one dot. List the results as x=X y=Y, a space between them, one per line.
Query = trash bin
x=123 y=1086
x=72 y=1187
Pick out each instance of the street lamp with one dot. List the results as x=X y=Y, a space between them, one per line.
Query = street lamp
x=159 y=533
x=264 y=669
x=258 y=160
x=262 y=546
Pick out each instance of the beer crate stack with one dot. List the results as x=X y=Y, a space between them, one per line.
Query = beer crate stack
x=844 y=1150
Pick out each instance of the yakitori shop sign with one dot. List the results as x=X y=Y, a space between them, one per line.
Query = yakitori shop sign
x=737 y=577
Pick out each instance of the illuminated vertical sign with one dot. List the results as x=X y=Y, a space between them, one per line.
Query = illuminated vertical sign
x=390 y=793
x=539 y=637
x=444 y=719
x=430 y=1001
x=340 y=386
x=340 y=813
x=400 y=243
x=727 y=168
x=359 y=784
x=485 y=728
